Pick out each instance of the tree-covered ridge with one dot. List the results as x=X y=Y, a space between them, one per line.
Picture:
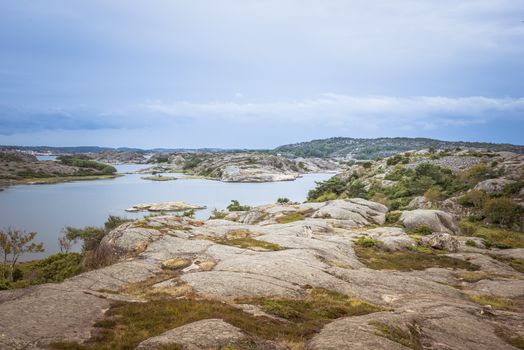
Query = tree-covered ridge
x=360 y=148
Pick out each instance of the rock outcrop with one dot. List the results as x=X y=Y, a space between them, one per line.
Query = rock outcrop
x=282 y=252
x=435 y=220
x=164 y=207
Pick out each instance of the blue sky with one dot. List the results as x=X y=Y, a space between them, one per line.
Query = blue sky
x=259 y=73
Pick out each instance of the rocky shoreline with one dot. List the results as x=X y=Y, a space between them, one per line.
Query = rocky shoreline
x=287 y=252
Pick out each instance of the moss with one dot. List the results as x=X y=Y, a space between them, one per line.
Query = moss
x=409 y=337
x=495 y=301
x=407 y=260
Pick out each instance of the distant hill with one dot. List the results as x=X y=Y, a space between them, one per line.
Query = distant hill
x=379 y=147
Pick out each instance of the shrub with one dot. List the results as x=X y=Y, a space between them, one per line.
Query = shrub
x=82 y=161
x=422 y=230
x=433 y=194
x=502 y=211
x=513 y=188
x=471 y=243
x=394 y=160
x=476 y=173
x=236 y=206
x=333 y=185
x=366 y=242
x=467 y=228
x=217 y=214
x=58 y=267
x=392 y=217
x=356 y=189
x=473 y=198
x=283 y=200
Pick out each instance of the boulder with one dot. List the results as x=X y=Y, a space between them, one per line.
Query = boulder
x=493 y=186
x=442 y=241
x=419 y=202
x=435 y=220
x=128 y=239
x=204 y=334
x=391 y=238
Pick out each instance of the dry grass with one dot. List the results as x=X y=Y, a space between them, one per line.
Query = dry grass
x=293 y=216
x=176 y=263
x=128 y=324
x=495 y=301
x=409 y=337
x=408 y=260
x=243 y=239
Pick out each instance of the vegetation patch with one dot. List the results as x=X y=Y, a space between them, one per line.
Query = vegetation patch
x=176 y=263
x=495 y=301
x=292 y=216
x=319 y=305
x=494 y=236
x=510 y=337
x=476 y=276
x=243 y=239
x=517 y=264
x=128 y=324
x=407 y=260
x=236 y=206
x=409 y=337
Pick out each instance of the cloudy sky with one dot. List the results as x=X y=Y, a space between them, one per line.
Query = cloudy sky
x=259 y=73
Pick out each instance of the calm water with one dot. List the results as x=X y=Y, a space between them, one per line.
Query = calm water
x=47 y=209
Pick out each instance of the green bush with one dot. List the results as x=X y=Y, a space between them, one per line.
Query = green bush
x=392 y=217
x=467 y=228
x=58 y=267
x=422 y=230
x=502 y=211
x=283 y=200
x=473 y=198
x=82 y=161
x=217 y=214
x=471 y=243
x=366 y=242
x=333 y=185
x=476 y=173
x=356 y=188
x=236 y=206
x=513 y=188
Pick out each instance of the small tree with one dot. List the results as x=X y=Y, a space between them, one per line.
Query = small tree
x=14 y=244
x=64 y=244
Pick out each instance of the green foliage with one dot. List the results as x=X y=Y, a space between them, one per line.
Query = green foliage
x=282 y=200
x=356 y=189
x=513 y=188
x=90 y=236
x=192 y=162
x=426 y=176
x=398 y=158
x=236 y=206
x=366 y=242
x=393 y=217
x=82 y=161
x=422 y=230
x=467 y=228
x=473 y=198
x=334 y=185
x=471 y=243
x=476 y=173
x=292 y=216
x=14 y=244
x=217 y=214
x=502 y=211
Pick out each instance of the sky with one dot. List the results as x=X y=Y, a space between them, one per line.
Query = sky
x=259 y=73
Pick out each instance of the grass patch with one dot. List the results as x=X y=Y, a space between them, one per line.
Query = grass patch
x=319 y=305
x=408 y=260
x=517 y=264
x=409 y=338
x=131 y=323
x=366 y=242
x=60 y=179
x=476 y=276
x=500 y=238
x=243 y=239
x=176 y=263
x=292 y=216
x=496 y=302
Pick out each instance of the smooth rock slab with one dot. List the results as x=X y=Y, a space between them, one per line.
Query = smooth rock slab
x=204 y=334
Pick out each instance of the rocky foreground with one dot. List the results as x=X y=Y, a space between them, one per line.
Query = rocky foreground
x=326 y=275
